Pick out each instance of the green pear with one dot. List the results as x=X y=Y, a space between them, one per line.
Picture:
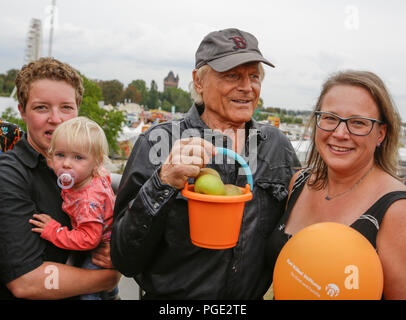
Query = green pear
x=209 y=184
x=208 y=171
x=232 y=190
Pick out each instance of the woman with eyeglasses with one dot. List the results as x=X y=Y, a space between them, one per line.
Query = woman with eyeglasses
x=351 y=174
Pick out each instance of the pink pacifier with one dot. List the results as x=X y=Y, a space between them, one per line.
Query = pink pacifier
x=66 y=178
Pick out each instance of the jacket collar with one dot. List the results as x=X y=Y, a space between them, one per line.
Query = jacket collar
x=194 y=121
x=193 y=117
x=26 y=153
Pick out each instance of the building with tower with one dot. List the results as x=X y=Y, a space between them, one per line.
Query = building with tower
x=171 y=81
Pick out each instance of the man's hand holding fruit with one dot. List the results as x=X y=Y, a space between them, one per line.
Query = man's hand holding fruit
x=188 y=158
x=185 y=160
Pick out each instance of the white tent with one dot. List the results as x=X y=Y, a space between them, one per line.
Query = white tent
x=130 y=134
x=6 y=102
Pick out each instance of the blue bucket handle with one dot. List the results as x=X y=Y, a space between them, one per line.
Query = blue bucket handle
x=241 y=161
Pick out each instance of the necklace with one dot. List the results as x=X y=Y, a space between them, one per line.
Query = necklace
x=327 y=197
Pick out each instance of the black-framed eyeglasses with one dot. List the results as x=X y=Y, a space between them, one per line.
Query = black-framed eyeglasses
x=359 y=126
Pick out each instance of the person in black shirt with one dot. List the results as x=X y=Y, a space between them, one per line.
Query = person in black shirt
x=49 y=93
x=351 y=175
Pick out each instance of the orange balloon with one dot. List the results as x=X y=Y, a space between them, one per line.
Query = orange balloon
x=328 y=261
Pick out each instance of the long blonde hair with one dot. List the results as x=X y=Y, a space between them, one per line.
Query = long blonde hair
x=386 y=155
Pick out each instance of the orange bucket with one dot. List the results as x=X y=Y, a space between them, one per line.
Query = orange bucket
x=215 y=221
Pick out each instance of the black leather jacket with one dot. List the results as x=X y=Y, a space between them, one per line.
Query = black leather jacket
x=150 y=238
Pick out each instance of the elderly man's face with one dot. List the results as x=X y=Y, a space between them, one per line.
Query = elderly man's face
x=231 y=96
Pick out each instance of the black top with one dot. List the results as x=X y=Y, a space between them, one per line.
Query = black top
x=151 y=240
x=27 y=186
x=367 y=224
x=9 y=135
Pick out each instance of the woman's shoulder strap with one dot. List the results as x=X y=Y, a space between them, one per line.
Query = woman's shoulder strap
x=297 y=182
x=369 y=223
x=379 y=208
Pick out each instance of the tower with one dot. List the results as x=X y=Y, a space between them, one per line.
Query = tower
x=171 y=81
x=33 y=41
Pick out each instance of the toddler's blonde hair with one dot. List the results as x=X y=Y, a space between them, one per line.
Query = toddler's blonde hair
x=85 y=134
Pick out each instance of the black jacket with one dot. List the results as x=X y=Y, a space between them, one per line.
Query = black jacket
x=27 y=186
x=150 y=238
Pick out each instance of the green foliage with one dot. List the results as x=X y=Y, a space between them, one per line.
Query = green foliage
x=176 y=97
x=166 y=105
x=112 y=90
x=11 y=116
x=138 y=92
x=285 y=116
x=110 y=121
x=260 y=104
x=287 y=112
x=153 y=96
x=290 y=119
x=7 y=82
x=141 y=87
x=132 y=94
x=2 y=85
x=259 y=115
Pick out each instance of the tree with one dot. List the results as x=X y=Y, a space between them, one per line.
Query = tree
x=11 y=116
x=260 y=104
x=112 y=91
x=176 y=97
x=183 y=102
x=131 y=93
x=2 y=85
x=153 y=96
x=110 y=121
x=141 y=87
x=7 y=82
x=166 y=105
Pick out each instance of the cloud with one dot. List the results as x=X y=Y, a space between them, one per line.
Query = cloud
x=306 y=40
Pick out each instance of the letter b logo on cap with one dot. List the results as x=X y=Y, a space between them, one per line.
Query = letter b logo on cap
x=239 y=43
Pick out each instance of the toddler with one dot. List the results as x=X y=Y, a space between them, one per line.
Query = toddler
x=77 y=152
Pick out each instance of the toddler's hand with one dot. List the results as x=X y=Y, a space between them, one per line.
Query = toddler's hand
x=40 y=223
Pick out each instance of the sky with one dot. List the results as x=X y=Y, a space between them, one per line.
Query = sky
x=306 y=40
